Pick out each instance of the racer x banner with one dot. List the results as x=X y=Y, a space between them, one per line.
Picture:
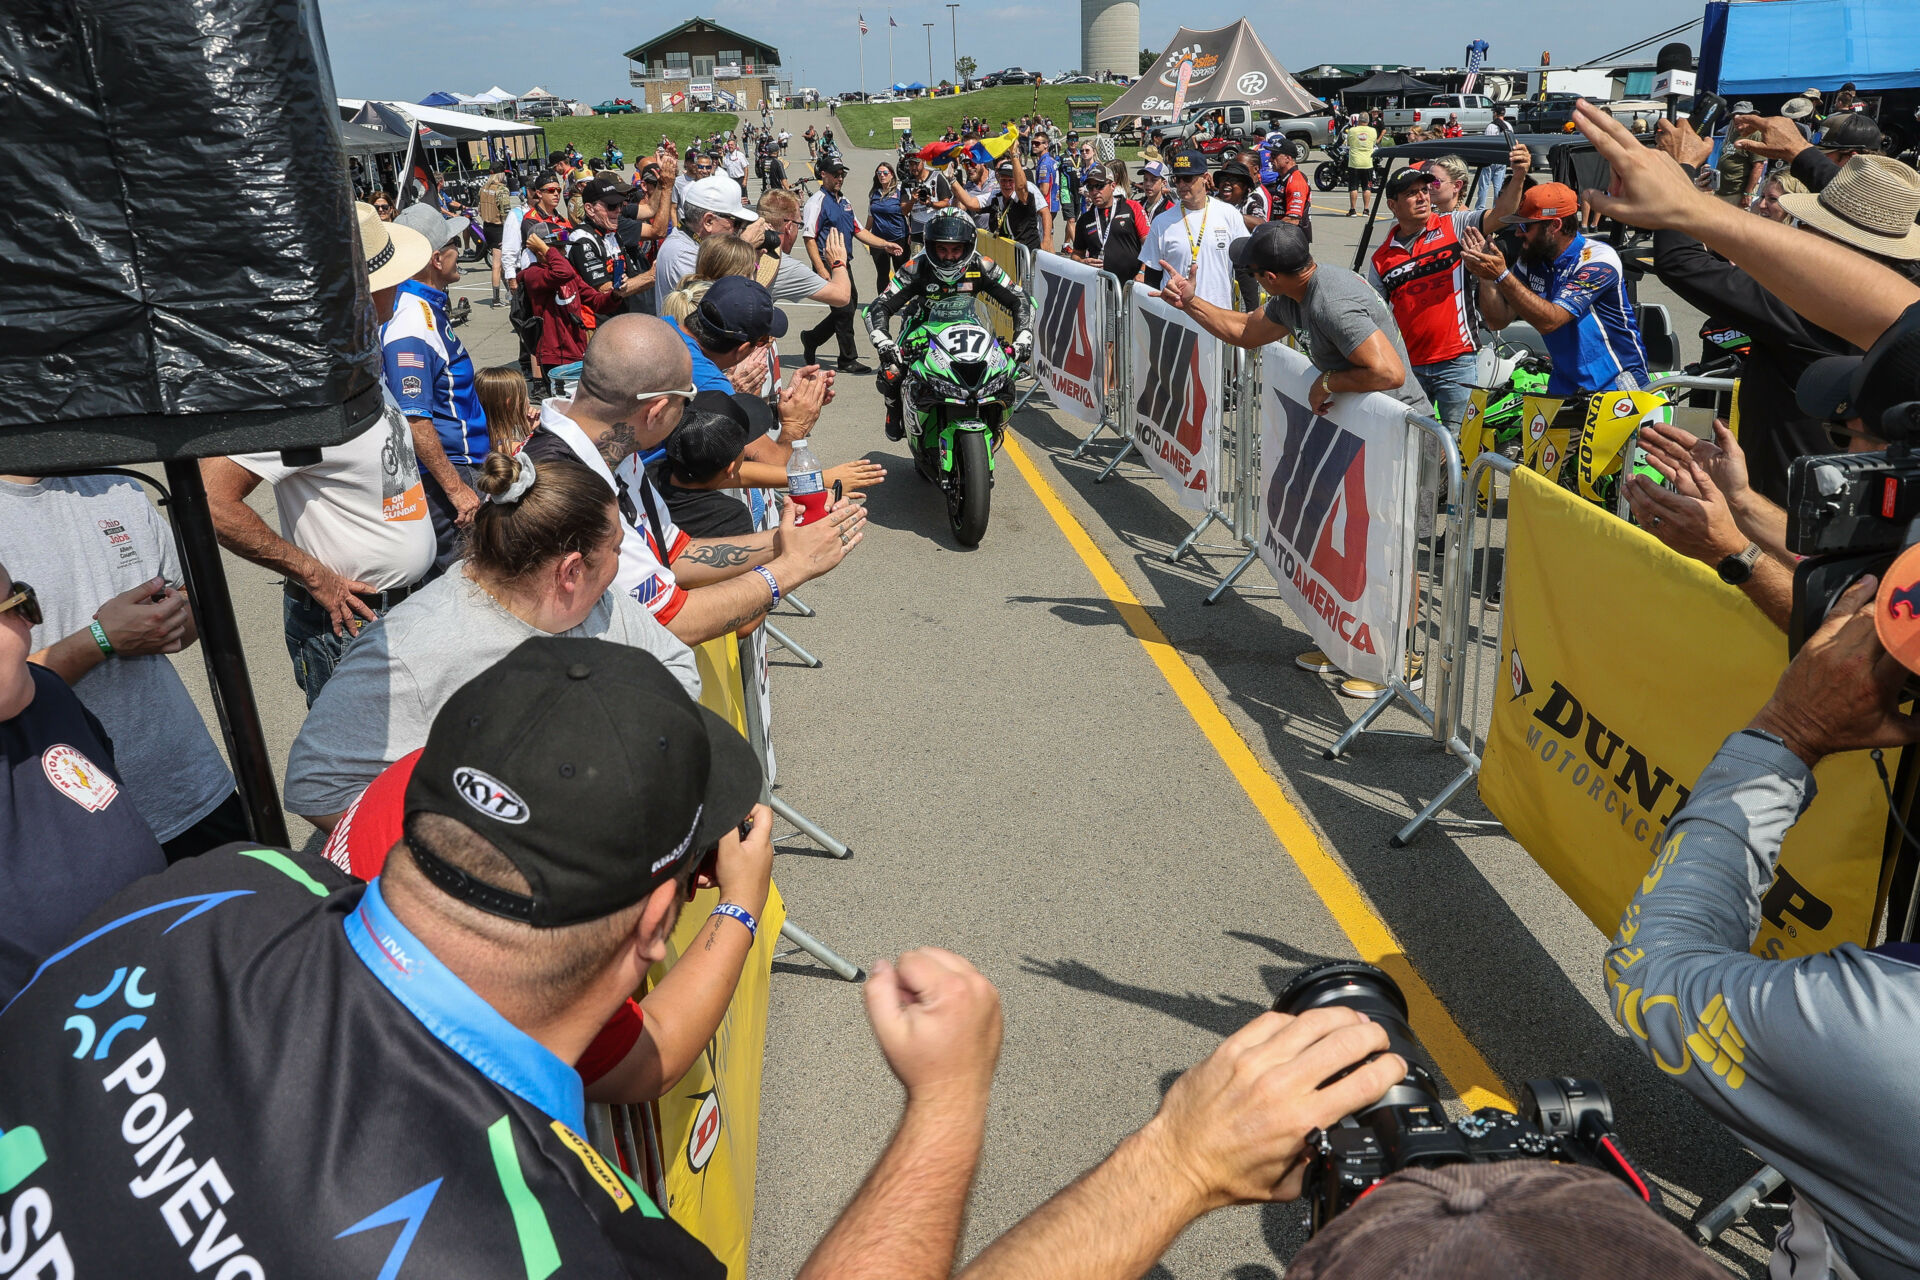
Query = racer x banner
x=1337 y=526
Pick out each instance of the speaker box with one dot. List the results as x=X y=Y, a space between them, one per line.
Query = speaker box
x=182 y=277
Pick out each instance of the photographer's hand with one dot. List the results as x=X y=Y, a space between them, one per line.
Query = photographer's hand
x=1842 y=691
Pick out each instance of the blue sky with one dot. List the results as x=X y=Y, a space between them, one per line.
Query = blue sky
x=573 y=47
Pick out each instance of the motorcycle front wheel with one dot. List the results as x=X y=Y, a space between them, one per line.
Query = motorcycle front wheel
x=1328 y=175
x=969 y=488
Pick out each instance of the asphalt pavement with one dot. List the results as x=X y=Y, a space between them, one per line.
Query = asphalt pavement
x=1023 y=783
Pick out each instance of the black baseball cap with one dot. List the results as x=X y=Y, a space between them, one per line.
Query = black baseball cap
x=1188 y=162
x=1005 y=166
x=590 y=769
x=1850 y=131
x=1841 y=388
x=831 y=166
x=738 y=309
x=1279 y=247
x=605 y=191
x=1405 y=180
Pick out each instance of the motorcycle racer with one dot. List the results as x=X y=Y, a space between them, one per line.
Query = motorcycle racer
x=950 y=266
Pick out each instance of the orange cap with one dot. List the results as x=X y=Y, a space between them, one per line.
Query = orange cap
x=1548 y=200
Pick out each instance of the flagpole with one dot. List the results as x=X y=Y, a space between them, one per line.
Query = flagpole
x=890 y=79
x=863 y=66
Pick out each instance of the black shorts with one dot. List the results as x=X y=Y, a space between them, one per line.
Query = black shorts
x=491 y=232
x=1359 y=179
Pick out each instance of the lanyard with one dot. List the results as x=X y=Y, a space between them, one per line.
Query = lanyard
x=1193 y=240
x=1102 y=230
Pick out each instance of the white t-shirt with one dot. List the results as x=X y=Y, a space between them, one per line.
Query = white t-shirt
x=1214 y=228
x=361 y=510
x=735 y=163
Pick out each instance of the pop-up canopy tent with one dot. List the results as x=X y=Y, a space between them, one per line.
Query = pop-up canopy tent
x=361 y=140
x=1388 y=84
x=1227 y=64
x=1748 y=50
x=441 y=99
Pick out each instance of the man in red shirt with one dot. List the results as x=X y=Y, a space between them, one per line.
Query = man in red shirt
x=1420 y=270
x=1292 y=193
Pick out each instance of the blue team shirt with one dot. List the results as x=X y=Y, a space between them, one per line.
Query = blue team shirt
x=430 y=373
x=1046 y=175
x=1601 y=349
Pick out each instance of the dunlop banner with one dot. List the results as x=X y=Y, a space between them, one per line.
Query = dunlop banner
x=1338 y=531
x=1004 y=252
x=1070 y=351
x=1176 y=398
x=1624 y=667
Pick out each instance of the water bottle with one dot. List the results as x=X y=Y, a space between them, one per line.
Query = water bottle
x=807 y=483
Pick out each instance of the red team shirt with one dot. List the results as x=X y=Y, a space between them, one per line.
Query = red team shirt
x=1424 y=280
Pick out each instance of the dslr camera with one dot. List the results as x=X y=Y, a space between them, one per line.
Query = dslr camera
x=1851 y=514
x=1563 y=1120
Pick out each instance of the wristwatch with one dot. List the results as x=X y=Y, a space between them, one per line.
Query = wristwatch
x=1737 y=568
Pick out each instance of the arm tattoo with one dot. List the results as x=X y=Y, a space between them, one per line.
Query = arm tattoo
x=721 y=555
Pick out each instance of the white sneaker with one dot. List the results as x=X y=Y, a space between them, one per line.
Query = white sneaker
x=1315 y=661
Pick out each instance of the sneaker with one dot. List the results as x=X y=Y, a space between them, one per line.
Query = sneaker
x=1315 y=661
x=1355 y=688
x=855 y=366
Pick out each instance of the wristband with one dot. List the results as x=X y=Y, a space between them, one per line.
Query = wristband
x=772 y=581
x=1503 y=275
x=100 y=637
x=741 y=914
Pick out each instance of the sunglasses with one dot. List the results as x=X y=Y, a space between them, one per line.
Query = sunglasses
x=549 y=191
x=685 y=393
x=382 y=208
x=26 y=601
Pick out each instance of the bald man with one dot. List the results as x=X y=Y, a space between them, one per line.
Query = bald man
x=634 y=385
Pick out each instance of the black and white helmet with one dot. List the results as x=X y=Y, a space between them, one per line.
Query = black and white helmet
x=950 y=228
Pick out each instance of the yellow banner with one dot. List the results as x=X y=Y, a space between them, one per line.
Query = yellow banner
x=1612 y=419
x=710 y=1121
x=1001 y=250
x=1624 y=666
x=1544 y=446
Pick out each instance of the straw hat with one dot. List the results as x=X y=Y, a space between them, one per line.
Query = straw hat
x=393 y=252
x=1870 y=204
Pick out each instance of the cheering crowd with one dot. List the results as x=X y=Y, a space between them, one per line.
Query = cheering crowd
x=492 y=595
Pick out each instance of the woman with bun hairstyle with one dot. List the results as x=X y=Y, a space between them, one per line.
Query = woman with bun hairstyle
x=540 y=558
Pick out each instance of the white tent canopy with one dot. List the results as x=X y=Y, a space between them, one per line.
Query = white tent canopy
x=455 y=124
x=495 y=94
x=536 y=92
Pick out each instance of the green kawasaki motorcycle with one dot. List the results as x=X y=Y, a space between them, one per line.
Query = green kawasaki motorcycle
x=957 y=390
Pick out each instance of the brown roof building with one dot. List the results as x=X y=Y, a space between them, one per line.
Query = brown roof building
x=699 y=64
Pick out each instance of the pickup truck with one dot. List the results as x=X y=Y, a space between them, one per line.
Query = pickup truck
x=1303 y=133
x=1232 y=120
x=1475 y=112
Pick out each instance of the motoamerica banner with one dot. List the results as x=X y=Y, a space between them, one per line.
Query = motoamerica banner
x=710 y=1121
x=1337 y=526
x=1176 y=398
x=1625 y=667
x=1071 y=352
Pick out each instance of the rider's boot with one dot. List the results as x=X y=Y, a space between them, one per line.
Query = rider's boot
x=890 y=378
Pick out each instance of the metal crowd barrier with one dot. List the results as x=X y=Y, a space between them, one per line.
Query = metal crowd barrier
x=1232 y=478
x=1111 y=330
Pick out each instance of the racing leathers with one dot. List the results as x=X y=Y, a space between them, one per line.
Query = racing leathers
x=919 y=282
x=1809 y=1059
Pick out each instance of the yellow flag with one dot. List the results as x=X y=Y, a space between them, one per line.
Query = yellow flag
x=1543 y=446
x=1612 y=419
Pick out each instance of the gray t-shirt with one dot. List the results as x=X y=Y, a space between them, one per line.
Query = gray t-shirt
x=795 y=281
x=678 y=252
x=393 y=680
x=81 y=541
x=1340 y=312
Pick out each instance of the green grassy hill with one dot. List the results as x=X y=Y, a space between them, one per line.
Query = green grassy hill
x=932 y=115
x=636 y=134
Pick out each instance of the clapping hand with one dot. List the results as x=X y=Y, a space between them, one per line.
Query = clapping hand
x=1483 y=257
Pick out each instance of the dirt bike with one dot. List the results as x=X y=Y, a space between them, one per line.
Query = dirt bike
x=957 y=389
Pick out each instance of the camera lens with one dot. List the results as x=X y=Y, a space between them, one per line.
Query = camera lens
x=1360 y=986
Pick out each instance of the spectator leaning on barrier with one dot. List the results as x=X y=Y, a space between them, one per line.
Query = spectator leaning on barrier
x=1344 y=330
x=715 y=586
x=1420 y=269
x=1569 y=287
x=1109 y=234
x=544 y=553
x=70 y=837
x=430 y=374
x=354 y=535
x=1195 y=237
x=110 y=606
x=1016 y=211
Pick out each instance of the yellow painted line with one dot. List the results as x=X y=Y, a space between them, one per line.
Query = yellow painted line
x=1469 y=1073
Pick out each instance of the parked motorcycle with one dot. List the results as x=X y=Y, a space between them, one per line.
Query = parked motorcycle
x=955 y=399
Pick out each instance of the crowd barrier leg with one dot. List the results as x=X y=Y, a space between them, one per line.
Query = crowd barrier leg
x=807 y=828
x=1118 y=458
x=1709 y=1225
x=1233 y=575
x=1425 y=620
x=786 y=642
x=1465 y=638
x=804 y=941
x=799 y=606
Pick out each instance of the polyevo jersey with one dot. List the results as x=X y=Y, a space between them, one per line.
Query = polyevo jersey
x=361 y=510
x=70 y=837
x=431 y=374
x=373 y=825
x=82 y=540
x=1211 y=229
x=249 y=1067
x=1424 y=279
x=1113 y=235
x=1602 y=345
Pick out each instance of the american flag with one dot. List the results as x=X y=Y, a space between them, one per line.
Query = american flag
x=408 y=360
x=1476 y=54
x=863 y=22
x=891 y=22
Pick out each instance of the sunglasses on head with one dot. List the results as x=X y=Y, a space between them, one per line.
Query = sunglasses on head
x=26 y=600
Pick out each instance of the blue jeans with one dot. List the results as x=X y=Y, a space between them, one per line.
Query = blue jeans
x=1449 y=384
x=1492 y=178
x=315 y=650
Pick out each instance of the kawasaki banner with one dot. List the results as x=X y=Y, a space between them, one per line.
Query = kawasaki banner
x=1176 y=398
x=1624 y=666
x=1071 y=352
x=1337 y=526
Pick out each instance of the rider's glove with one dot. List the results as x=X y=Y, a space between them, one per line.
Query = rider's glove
x=1022 y=347
x=884 y=347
